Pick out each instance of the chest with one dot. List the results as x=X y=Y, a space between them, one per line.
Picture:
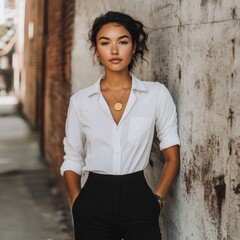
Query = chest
x=99 y=117
x=116 y=102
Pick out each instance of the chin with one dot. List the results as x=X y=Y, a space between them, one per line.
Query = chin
x=117 y=68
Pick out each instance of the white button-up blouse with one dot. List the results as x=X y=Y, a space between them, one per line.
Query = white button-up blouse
x=94 y=142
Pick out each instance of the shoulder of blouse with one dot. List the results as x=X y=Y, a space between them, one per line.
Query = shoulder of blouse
x=84 y=93
x=155 y=87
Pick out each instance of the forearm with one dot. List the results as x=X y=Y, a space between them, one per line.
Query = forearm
x=170 y=170
x=73 y=183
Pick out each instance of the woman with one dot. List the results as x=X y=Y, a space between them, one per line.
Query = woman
x=109 y=133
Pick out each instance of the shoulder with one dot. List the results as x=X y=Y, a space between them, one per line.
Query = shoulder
x=82 y=95
x=152 y=87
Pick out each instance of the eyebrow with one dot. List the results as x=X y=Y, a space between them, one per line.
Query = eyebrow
x=106 y=38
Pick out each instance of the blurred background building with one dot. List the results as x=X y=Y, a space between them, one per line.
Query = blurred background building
x=7 y=45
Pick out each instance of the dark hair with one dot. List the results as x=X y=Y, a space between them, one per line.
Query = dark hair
x=135 y=28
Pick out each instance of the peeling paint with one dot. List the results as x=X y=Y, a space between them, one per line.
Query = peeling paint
x=234 y=15
x=179 y=73
x=232 y=78
x=214 y=187
x=230 y=117
x=220 y=188
x=237 y=149
x=204 y=9
x=204 y=3
x=190 y=176
x=230 y=147
x=237 y=189
x=233 y=48
x=210 y=91
x=197 y=84
x=218 y=2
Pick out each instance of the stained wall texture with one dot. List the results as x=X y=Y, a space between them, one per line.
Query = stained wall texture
x=195 y=51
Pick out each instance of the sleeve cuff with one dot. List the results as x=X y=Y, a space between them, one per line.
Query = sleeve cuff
x=170 y=141
x=71 y=166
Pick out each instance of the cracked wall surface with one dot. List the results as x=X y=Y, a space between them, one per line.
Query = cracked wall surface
x=195 y=51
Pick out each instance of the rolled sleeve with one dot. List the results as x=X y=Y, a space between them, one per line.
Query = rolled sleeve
x=166 y=124
x=74 y=141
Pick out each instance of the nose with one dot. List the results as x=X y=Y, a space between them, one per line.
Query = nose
x=114 y=49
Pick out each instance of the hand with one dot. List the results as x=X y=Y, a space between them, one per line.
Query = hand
x=161 y=200
x=73 y=185
x=73 y=198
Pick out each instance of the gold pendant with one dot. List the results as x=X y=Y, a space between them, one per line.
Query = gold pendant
x=118 y=106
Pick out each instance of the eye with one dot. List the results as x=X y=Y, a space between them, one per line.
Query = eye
x=104 y=43
x=123 y=42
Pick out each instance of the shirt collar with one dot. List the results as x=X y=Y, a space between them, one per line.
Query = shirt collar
x=136 y=85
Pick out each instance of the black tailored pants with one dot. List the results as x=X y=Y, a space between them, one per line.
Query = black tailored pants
x=111 y=207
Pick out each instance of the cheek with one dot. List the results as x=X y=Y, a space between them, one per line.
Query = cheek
x=101 y=53
x=128 y=53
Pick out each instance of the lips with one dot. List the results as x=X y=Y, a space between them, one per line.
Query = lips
x=115 y=60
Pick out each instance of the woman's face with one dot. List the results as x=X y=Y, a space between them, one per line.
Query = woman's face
x=114 y=47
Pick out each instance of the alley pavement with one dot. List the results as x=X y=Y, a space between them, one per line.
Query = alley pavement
x=30 y=205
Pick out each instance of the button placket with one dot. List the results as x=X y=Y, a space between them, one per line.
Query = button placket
x=116 y=144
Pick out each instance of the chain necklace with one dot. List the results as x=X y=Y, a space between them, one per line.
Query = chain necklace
x=118 y=106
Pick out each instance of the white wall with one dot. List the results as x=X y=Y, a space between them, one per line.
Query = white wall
x=194 y=50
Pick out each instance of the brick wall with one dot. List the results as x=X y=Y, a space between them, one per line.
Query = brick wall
x=57 y=77
x=47 y=72
x=32 y=77
x=45 y=76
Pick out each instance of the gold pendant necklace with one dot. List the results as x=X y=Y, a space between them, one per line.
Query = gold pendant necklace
x=118 y=106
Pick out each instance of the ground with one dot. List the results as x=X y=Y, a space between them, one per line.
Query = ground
x=31 y=207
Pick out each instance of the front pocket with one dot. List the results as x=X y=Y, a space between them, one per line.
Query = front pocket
x=83 y=189
x=139 y=130
x=154 y=204
x=75 y=201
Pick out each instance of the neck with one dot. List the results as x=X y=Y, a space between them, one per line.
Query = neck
x=117 y=80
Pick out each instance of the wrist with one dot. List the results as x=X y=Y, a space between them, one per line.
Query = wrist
x=161 y=200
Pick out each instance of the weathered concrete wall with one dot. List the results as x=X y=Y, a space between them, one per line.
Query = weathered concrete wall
x=195 y=51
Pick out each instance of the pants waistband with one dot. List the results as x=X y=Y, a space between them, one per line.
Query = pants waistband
x=108 y=179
